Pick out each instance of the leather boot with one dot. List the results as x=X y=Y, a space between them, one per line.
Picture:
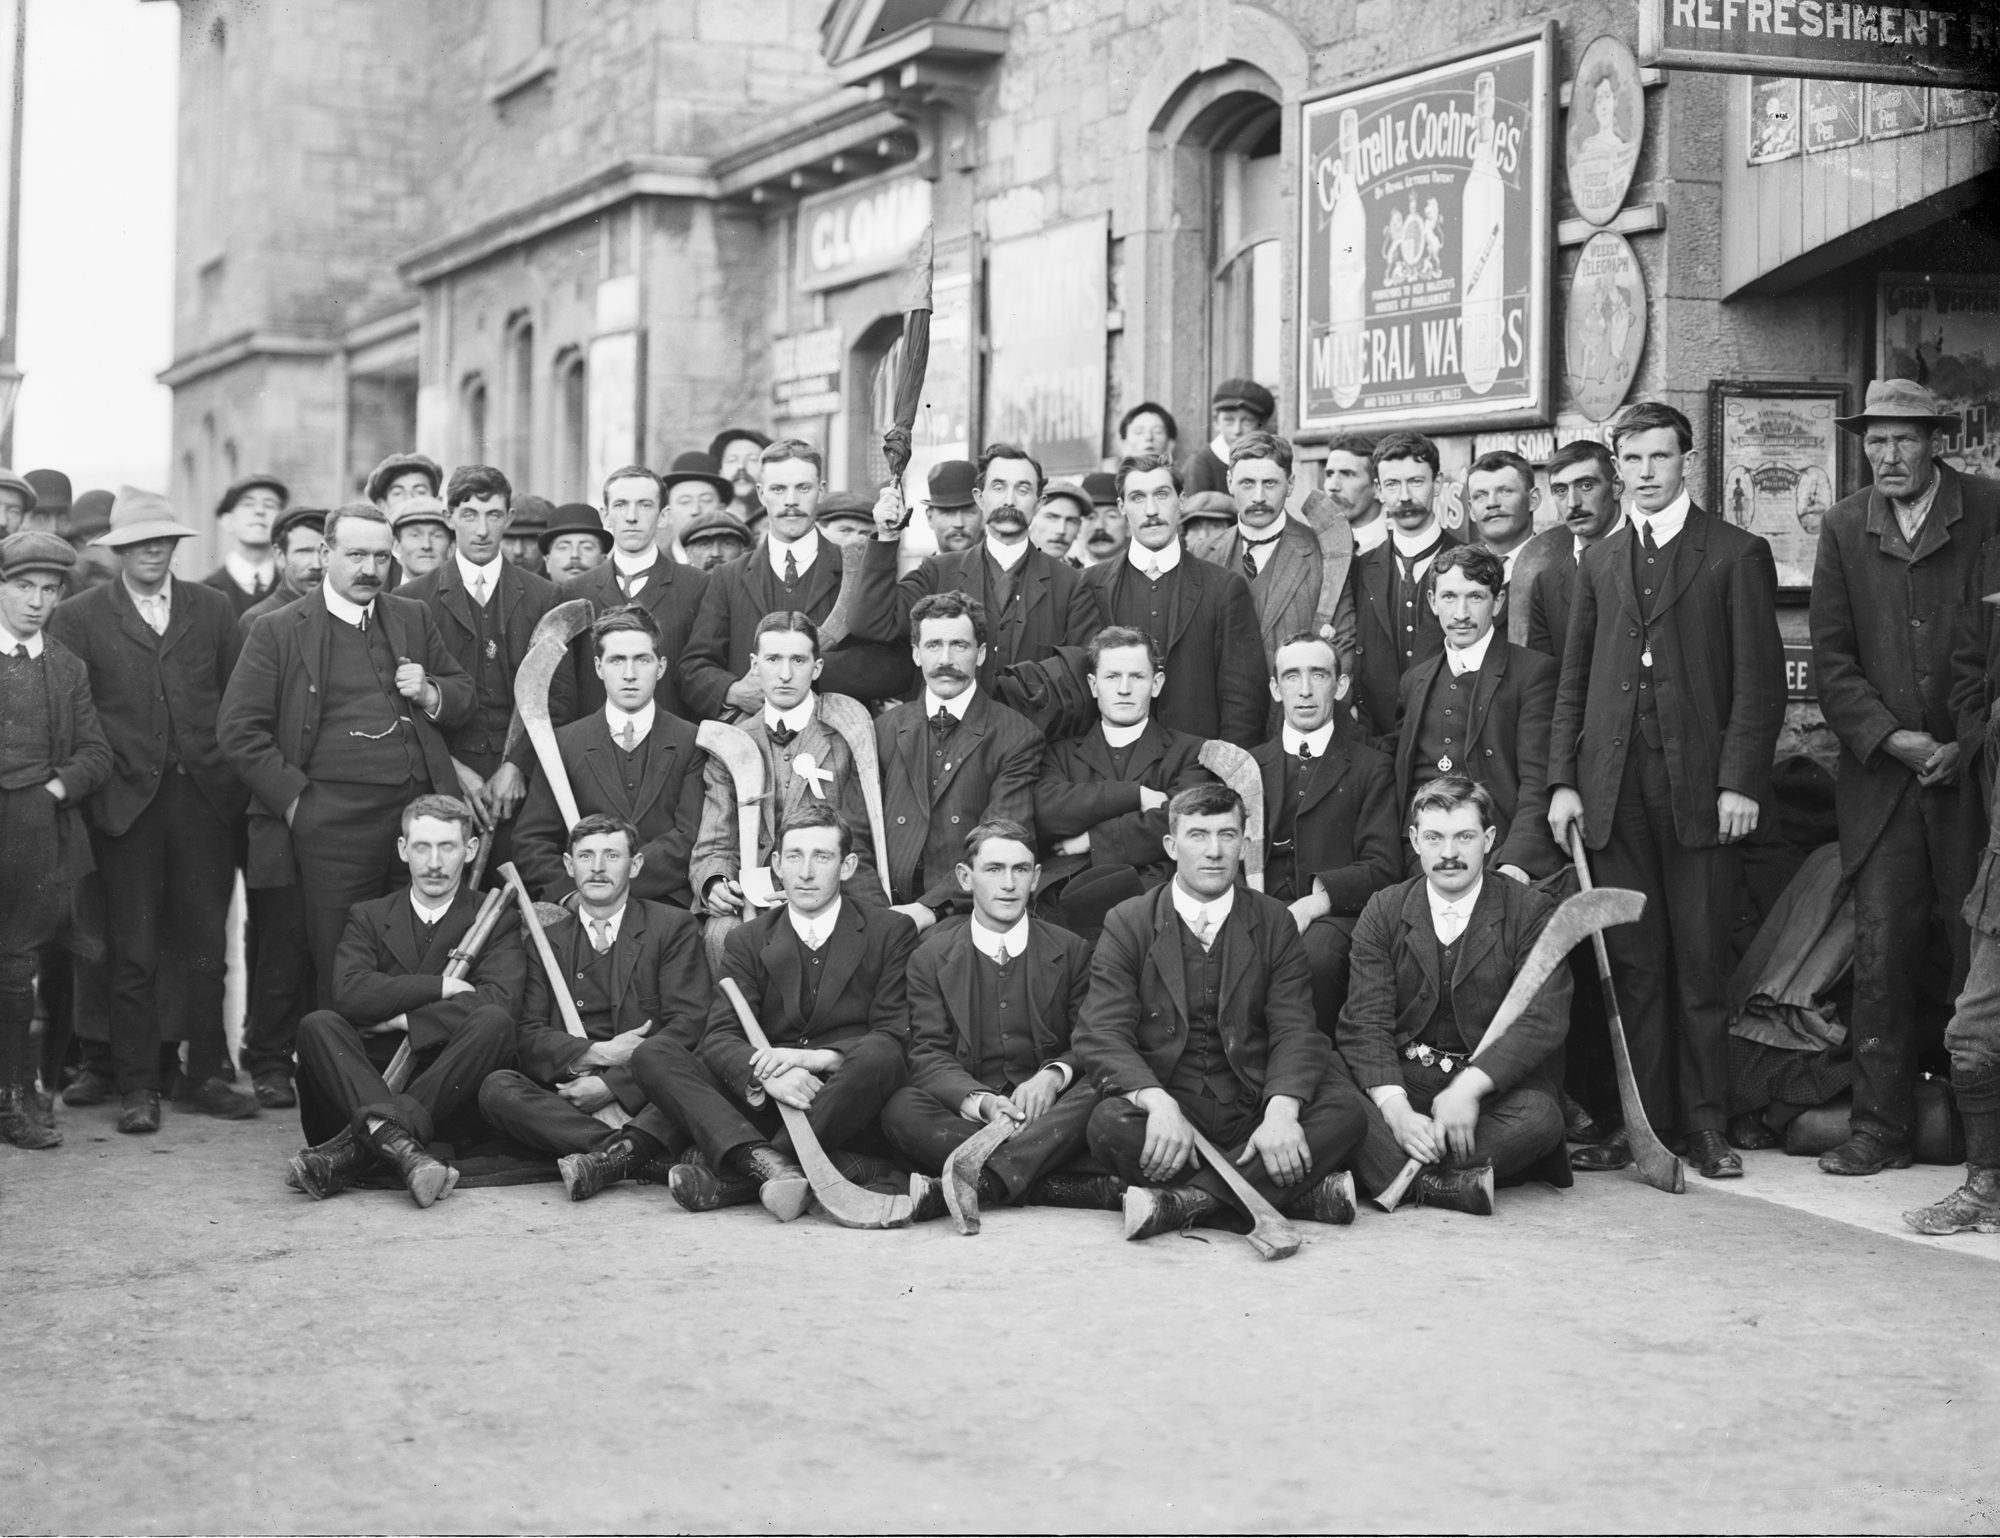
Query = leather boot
x=699 y=1188
x=427 y=1180
x=1467 y=1190
x=585 y=1174
x=20 y=1125
x=782 y=1186
x=927 y=1195
x=329 y=1168
x=1974 y=1208
x=1151 y=1210
x=1330 y=1199
x=1071 y=1188
x=1866 y=1154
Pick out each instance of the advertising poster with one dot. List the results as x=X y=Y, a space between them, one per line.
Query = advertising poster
x=1833 y=115
x=1045 y=304
x=1606 y=123
x=1774 y=118
x=1944 y=332
x=1604 y=325
x=1425 y=247
x=1777 y=465
x=1895 y=110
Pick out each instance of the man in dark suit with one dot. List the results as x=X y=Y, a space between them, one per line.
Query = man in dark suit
x=632 y=760
x=1891 y=586
x=248 y=512
x=637 y=572
x=1667 y=715
x=993 y=998
x=486 y=609
x=1329 y=815
x=335 y=718
x=1583 y=481
x=794 y=568
x=951 y=759
x=388 y=984
x=632 y=968
x=1481 y=708
x=52 y=757
x=159 y=654
x=1101 y=801
x=298 y=540
x=1500 y=501
x=826 y=979
x=1433 y=958
x=1394 y=628
x=1202 y=618
x=1034 y=602
x=1199 y=1017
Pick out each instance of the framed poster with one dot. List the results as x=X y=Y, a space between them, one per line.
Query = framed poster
x=1424 y=246
x=1832 y=115
x=1943 y=330
x=1895 y=110
x=1604 y=128
x=1774 y=118
x=1046 y=296
x=1775 y=464
x=1949 y=106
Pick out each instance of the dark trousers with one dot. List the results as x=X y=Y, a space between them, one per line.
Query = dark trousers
x=516 y=1107
x=340 y=1077
x=34 y=900
x=1974 y=1039
x=1517 y=1129
x=346 y=836
x=848 y=1105
x=280 y=963
x=1677 y=954
x=1919 y=871
x=924 y=1130
x=1328 y=942
x=1332 y=1122
x=167 y=883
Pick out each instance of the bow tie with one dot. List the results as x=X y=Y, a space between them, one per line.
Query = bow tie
x=782 y=734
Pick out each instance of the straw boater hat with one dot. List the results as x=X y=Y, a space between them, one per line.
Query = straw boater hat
x=1898 y=400
x=137 y=516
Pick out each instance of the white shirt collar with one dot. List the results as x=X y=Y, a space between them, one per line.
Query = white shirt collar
x=1616 y=524
x=1666 y=523
x=988 y=941
x=1007 y=557
x=1469 y=659
x=1413 y=544
x=1141 y=557
x=815 y=931
x=633 y=565
x=427 y=914
x=641 y=719
x=140 y=600
x=1461 y=909
x=610 y=925
x=804 y=549
x=1910 y=515
x=958 y=707
x=1507 y=561
x=1191 y=908
x=1124 y=736
x=1220 y=446
x=470 y=574
x=247 y=574
x=798 y=718
x=344 y=611
x=1258 y=539
x=1370 y=534
x=9 y=641
x=1319 y=739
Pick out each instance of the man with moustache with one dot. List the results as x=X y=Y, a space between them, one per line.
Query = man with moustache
x=1201 y=617
x=638 y=572
x=1033 y=602
x=1105 y=532
x=1395 y=628
x=423 y=537
x=1500 y=498
x=388 y=986
x=249 y=569
x=528 y=516
x=735 y=451
x=1058 y=520
x=1350 y=486
x=951 y=759
x=715 y=539
x=1583 y=480
x=335 y=718
x=574 y=544
x=1667 y=714
x=298 y=539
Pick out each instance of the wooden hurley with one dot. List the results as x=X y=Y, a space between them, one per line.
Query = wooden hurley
x=1271 y=1233
x=462 y=957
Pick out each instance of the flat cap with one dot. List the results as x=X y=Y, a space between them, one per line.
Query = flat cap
x=33 y=550
x=313 y=518
x=383 y=474
x=1243 y=395
x=9 y=481
x=420 y=510
x=716 y=523
x=239 y=489
x=530 y=514
x=843 y=504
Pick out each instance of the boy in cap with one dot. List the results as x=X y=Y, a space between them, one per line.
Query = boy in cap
x=1239 y=407
x=423 y=536
x=247 y=511
x=401 y=477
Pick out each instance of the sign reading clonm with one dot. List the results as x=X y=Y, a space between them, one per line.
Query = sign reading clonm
x=1954 y=44
x=856 y=232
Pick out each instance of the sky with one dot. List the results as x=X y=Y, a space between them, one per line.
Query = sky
x=95 y=313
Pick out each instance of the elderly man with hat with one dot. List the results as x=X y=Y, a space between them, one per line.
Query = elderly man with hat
x=52 y=755
x=736 y=451
x=1238 y=408
x=1891 y=584
x=522 y=543
x=159 y=653
x=573 y=543
x=423 y=538
x=1105 y=533
x=247 y=511
x=692 y=487
x=715 y=539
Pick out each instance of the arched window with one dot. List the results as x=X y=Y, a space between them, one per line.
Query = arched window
x=1246 y=227
x=517 y=450
x=572 y=438
x=472 y=439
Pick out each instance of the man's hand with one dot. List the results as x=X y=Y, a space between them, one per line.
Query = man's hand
x=1735 y=814
x=1415 y=1132
x=1279 y=1143
x=1037 y=1095
x=1565 y=807
x=384 y=1027
x=794 y=1087
x=411 y=681
x=1076 y=843
x=587 y=1094
x=1943 y=767
x=614 y=1053
x=1315 y=904
x=1151 y=800
x=1515 y=873
x=454 y=986
x=989 y=1107
x=889 y=514
x=1455 y=1111
x=746 y=695
x=1169 y=1137
x=1913 y=750
x=57 y=789
x=473 y=789
x=917 y=914
x=769 y=1062
x=505 y=792
x=293 y=810
x=724 y=897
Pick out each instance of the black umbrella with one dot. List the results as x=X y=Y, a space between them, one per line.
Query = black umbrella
x=915 y=358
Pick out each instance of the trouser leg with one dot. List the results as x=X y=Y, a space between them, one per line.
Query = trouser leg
x=200 y=881
x=345 y=838
x=685 y=1088
x=1333 y=1125
x=1327 y=943
x=1973 y=1038
x=132 y=865
x=340 y=1070
x=281 y=978
x=925 y=1132
x=442 y=1102
x=515 y=1106
x=851 y=1101
x=1639 y=950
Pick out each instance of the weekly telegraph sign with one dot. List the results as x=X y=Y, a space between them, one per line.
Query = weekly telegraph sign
x=1953 y=44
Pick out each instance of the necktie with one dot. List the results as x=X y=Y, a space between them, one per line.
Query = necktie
x=600 y=935
x=479 y=589
x=791 y=569
x=782 y=734
x=1153 y=570
x=627 y=582
x=628 y=738
x=943 y=722
x=1305 y=755
x=1646 y=538
x=1204 y=929
x=21 y=652
x=362 y=623
x=1000 y=955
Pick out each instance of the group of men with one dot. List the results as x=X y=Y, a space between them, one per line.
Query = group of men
x=1001 y=865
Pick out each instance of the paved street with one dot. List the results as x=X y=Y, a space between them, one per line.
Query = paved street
x=192 y=1347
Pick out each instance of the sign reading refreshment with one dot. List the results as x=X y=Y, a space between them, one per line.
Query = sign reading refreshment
x=1952 y=44
x=856 y=232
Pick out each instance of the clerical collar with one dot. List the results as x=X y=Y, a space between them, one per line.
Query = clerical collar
x=248 y=574
x=633 y=565
x=1666 y=523
x=426 y=914
x=355 y=614
x=1124 y=736
x=1418 y=543
x=798 y=718
x=641 y=720
x=1006 y=557
x=1319 y=739
x=11 y=643
x=1192 y=909
x=803 y=551
x=957 y=706
x=1469 y=659
x=989 y=941
x=1163 y=561
x=1370 y=534
x=472 y=576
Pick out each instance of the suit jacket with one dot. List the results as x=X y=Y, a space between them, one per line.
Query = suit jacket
x=1286 y=593
x=1079 y=793
x=1134 y=1025
x=1216 y=682
x=1393 y=983
x=944 y=1028
x=1538 y=595
x=522 y=598
x=1508 y=752
x=1347 y=830
x=990 y=772
x=1204 y=470
x=671 y=595
x=666 y=810
x=79 y=753
x=280 y=597
x=740 y=594
x=1975 y=664
x=239 y=601
x=863 y=988
x=1378 y=657
x=659 y=976
x=144 y=684
x=1718 y=667
x=1055 y=609
x=380 y=969
x=271 y=709
x=1885 y=617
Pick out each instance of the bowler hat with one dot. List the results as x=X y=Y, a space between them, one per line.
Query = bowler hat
x=716 y=523
x=1070 y=492
x=574 y=518
x=34 y=550
x=1898 y=400
x=137 y=516
x=729 y=435
x=420 y=510
x=843 y=504
x=9 y=481
x=313 y=518
x=1243 y=395
x=90 y=517
x=239 y=489
x=529 y=514
x=1101 y=486
x=697 y=466
x=380 y=478
x=950 y=483
x=51 y=488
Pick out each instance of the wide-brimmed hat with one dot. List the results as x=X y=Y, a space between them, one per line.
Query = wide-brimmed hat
x=137 y=516
x=239 y=489
x=716 y=523
x=35 y=550
x=573 y=518
x=90 y=517
x=950 y=483
x=528 y=514
x=1898 y=400
x=420 y=510
x=382 y=475
x=1243 y=395
x=1070 y=492
x=694 y=465
x=313 y=518
x=9 y=481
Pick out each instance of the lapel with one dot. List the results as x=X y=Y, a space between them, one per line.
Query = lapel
x=964 y=742
x=1327 y=773
x=844 y=949
x=955 y=985
x=1482 y=933
x=1096 y=752
x=1270 y=756
x=180 y=616
x=1044 y=981
x=1166 y=951
x=311 y=620
x=1375 y=586
x=1617 y=548
x=1688 y=562
x=1034 y=580
x=1491 y=676
x=781 y=966
x=598 y=751
x=399 y=930
x=453 y=596
x=397 y=635
x=131 y=621
x=912 y=733
x=659 y=763
x=1289 y=567
x=1146 y=752
x=1945 y=511
x=624 y=950
x=1423 y=677
x=1421 y=940
x=1187 y=594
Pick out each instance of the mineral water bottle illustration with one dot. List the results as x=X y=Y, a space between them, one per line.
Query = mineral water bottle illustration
x=1347 y=266
x=1482 y=257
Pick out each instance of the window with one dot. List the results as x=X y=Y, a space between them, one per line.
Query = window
x=472 y=441
x=517 y=449
x=572 y=428
x=516 y=31
x=1246 y=225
